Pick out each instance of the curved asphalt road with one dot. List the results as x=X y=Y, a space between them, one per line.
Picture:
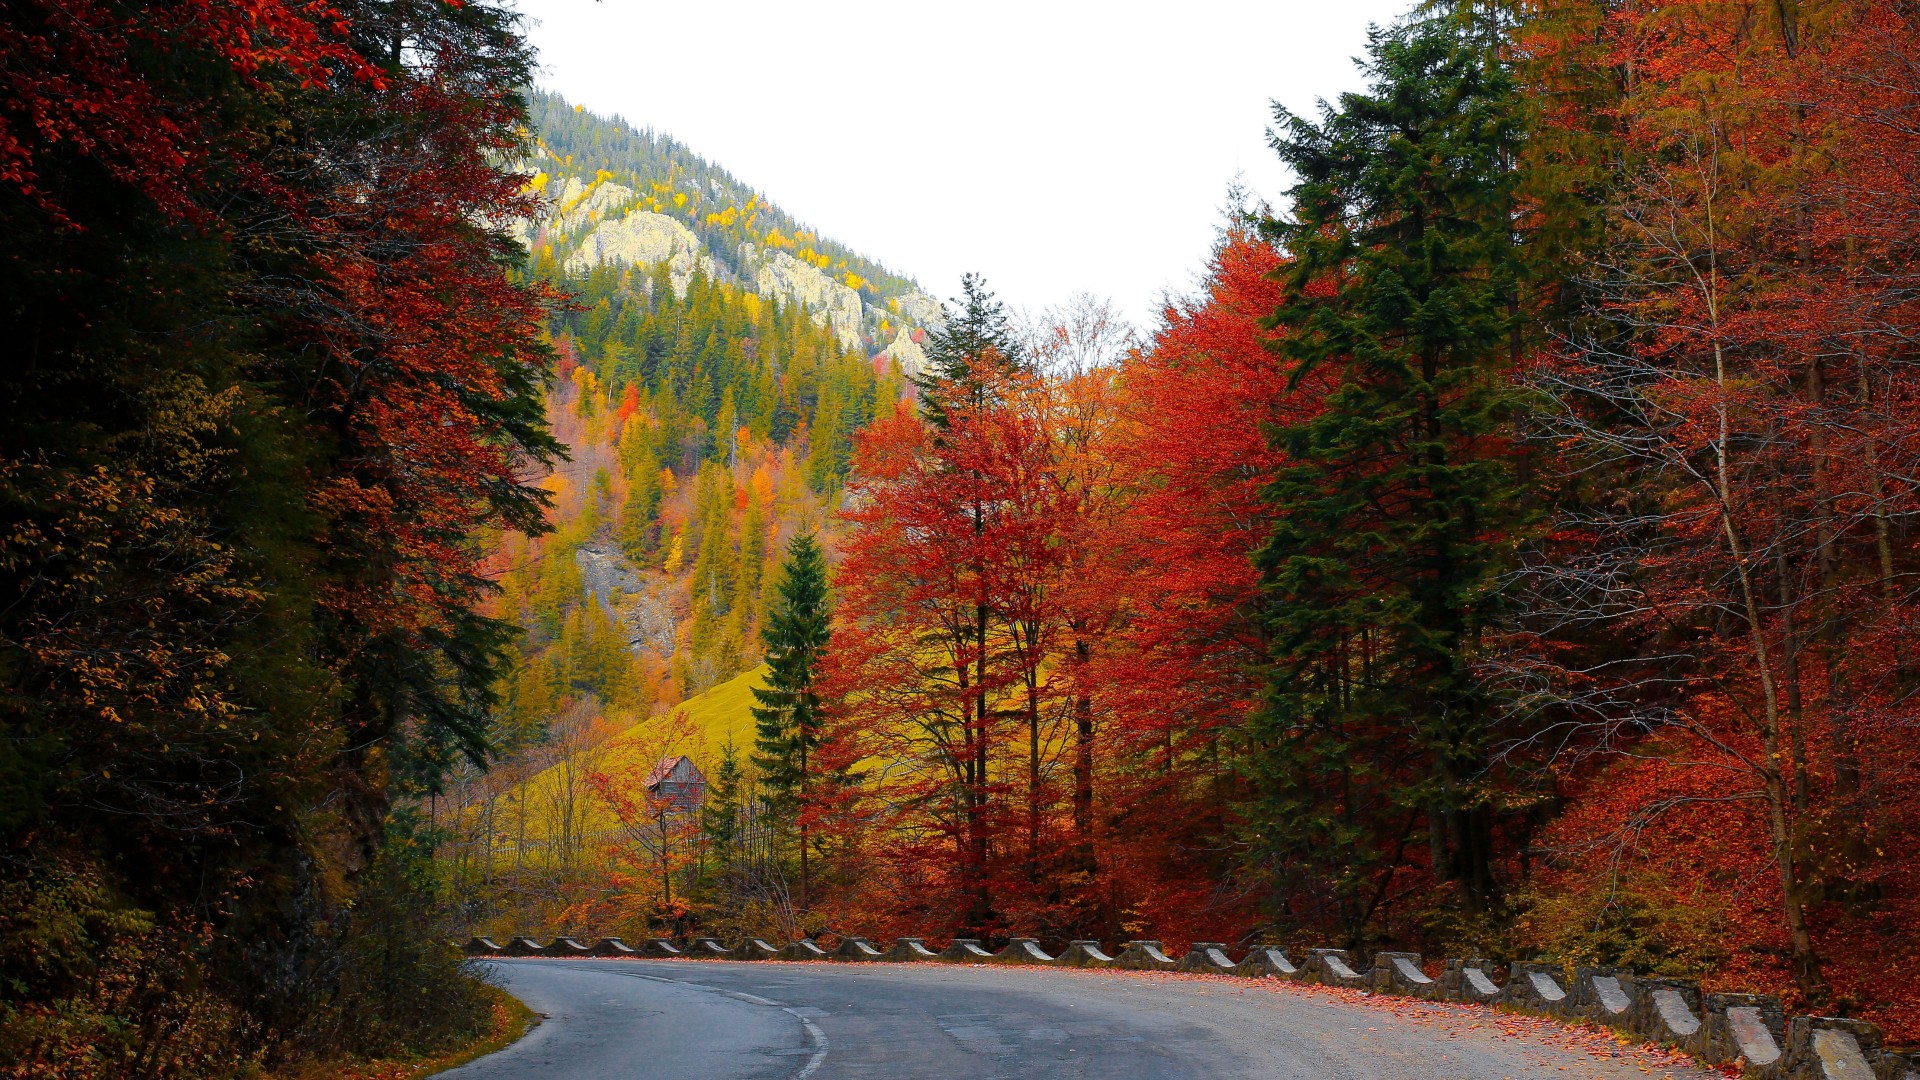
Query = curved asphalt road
x=681 y=1020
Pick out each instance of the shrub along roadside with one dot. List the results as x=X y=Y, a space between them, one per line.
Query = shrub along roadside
x=508 y=1021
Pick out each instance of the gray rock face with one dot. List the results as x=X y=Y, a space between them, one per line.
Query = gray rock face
x=608 y=577
x=603 y=222
x=907 y=352
x=918 y=307
x=832 y=302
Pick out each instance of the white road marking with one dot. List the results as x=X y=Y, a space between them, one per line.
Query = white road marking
x=819 y=1057
x=819 y=1037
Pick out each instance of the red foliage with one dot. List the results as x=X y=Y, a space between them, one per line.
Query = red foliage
x=76 y=82
x=1763 y=269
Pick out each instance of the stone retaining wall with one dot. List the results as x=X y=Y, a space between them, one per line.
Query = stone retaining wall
x=1750 y=1031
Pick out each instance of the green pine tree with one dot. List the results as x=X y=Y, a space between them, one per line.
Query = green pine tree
x=720 y=817
x=978 y=331
x=1400 y=506
x=787 y=718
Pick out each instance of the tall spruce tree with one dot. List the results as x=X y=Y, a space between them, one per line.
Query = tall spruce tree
x=1400 y=503
x=977 y=331
x=787 y=718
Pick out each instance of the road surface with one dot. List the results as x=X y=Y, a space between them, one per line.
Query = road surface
x=686 y=1020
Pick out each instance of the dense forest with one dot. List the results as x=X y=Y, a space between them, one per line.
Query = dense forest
x=1505 y=551
x=1503 y=554
x=270 y=388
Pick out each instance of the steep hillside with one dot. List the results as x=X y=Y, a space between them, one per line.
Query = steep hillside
x=716 y=361
x=629 y=197
x=557 y=797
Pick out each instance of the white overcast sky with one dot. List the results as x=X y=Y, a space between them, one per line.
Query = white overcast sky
x=1054 y=147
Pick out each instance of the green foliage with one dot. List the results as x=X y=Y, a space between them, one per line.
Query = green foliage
x=722 y=818
x=402 y=988
x=787 y=718
x=712 y=359
x=977 y=333
x=1399 y=505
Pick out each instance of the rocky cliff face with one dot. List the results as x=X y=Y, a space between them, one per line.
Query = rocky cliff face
x=604 y=222
x=832 y=303
x=906 y=351
x=643 y=614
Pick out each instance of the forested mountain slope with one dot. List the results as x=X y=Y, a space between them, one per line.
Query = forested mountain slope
x=716 y=359
x=628 y=197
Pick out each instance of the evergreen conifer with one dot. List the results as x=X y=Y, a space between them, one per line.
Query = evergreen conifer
x=787 y=716
x=978 y=332
x=1399 y=506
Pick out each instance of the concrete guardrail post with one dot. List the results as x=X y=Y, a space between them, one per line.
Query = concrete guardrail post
x=564 y=946
x=1667 y=1011
x=753 y=948
x=962 y=950
x=1268 y=962
x=1749 y=1030
x=1334 y=967
x=803 y=949
x=521 y=946
x=1832 y=1048
x=1603 y=994
x=1538 y=986
x=706 y=948
x=612 y=946
x=1471 y=981
x=1207 y=956
x=908 y=949
x=1085 y=954
x=1144 y=956
x=1399 y=973
x=1022 y=950
x=481 y=947
x=856 y=949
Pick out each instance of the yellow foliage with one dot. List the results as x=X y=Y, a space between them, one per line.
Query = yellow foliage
x=855 y=281
x=538 y=183
x=677 y=554
x=823 y=261
x=697 y=728
x=680 y=198
x=600 y=175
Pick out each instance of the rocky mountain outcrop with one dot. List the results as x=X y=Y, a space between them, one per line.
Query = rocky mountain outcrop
x=907 y=352
x=604 y=225
x=643 y=615
x=602 y=221
x=833 y=303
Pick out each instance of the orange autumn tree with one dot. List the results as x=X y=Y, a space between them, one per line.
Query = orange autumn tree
x=1178 y=672
x=1724 y=641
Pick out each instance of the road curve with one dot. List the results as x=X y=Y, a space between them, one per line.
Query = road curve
x=686 y=1020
